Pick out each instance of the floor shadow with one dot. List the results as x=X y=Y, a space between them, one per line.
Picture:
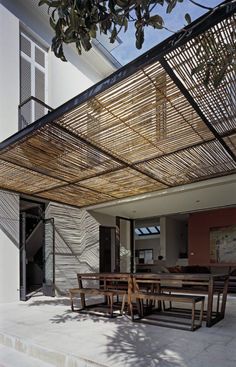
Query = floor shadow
x=136 y=345
x=80 y=317
x=128 y=344
x=48 y=302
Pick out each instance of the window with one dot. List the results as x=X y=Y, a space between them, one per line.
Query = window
x=147 y=231
x=33 y=79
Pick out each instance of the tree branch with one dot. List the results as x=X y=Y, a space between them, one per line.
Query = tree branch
x=200 y=5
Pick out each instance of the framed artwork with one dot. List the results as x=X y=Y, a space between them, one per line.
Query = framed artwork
x=223 y=244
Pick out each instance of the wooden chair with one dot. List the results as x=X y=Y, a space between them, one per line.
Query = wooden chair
x=107 y=285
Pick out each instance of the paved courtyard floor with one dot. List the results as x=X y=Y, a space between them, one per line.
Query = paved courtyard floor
x=44 y=328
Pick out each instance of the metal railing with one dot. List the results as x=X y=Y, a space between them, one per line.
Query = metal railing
x=31 y=110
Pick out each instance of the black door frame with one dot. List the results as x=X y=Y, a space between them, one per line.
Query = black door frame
x=110 y=227
x=48 y=290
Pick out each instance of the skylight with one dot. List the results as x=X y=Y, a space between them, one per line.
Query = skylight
x=147 y=231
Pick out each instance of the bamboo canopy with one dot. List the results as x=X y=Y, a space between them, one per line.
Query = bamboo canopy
x=149 y=126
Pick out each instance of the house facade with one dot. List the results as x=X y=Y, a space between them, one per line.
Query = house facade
x=144 y=205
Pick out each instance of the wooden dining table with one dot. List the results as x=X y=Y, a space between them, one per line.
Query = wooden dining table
x=194 y=284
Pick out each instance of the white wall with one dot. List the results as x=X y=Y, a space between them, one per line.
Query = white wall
x=65 y=81
x=9 y=247
x=103 y=219
x=9 y=203
x=9 y=73
x=148 y=244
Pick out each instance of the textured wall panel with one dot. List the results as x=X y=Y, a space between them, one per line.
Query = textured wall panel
x=76 y=244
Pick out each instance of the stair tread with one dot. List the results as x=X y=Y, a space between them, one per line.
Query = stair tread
x=9 y=357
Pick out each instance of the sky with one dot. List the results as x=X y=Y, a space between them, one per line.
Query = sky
x=127 y=51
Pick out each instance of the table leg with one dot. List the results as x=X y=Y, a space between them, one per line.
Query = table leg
x=224 y=297
x=209 y=302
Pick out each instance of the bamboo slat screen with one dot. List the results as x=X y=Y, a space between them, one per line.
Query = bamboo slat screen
x=218 y=105
x=139 y=135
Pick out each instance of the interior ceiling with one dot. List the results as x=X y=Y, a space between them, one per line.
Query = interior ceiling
x=150 y=126
x=207 y=195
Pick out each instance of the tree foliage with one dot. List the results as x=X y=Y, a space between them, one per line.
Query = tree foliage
x=79 y=21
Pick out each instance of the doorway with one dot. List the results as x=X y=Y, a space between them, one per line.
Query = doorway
x=36 y=250
x=107 y=250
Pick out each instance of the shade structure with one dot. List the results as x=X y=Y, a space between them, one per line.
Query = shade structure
x=149 y=126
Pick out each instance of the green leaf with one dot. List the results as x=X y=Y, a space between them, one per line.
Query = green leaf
x=207 y=76
x=171 y=5
x=155 y=21
x=113 y=35
x=61 y=54
x=125 y=24
x=42 y=2
x=220 y=76
x=198 y=68
x=122 y=3
x=85 y=40
x=188 y=18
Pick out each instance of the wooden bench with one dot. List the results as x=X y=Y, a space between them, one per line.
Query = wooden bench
x=140 y=295
x=108 y=285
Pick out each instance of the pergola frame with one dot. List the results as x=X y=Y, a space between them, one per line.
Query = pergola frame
x=89 y=121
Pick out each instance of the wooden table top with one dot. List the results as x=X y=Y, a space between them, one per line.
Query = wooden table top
x=181 y=276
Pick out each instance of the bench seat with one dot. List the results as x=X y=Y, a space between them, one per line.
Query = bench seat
x=152 y=296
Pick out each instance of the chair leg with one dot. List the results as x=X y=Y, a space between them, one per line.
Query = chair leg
x=111 y=305
x=138 y=304
x=131 y=309
x=71 y=303
x=141 y=307
x=201 y=313
x=82 y=298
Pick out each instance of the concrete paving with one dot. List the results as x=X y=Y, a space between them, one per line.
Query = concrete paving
x=46 y=329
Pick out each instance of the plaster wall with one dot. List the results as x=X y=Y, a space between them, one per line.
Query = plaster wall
x=9 y=247
x=148 y=244
x=175 y=240
x=9 y=73
x=103 y=219
x=65 y=81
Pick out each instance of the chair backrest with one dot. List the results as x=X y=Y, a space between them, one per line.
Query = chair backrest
x=104 y=280
x=144 y=283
